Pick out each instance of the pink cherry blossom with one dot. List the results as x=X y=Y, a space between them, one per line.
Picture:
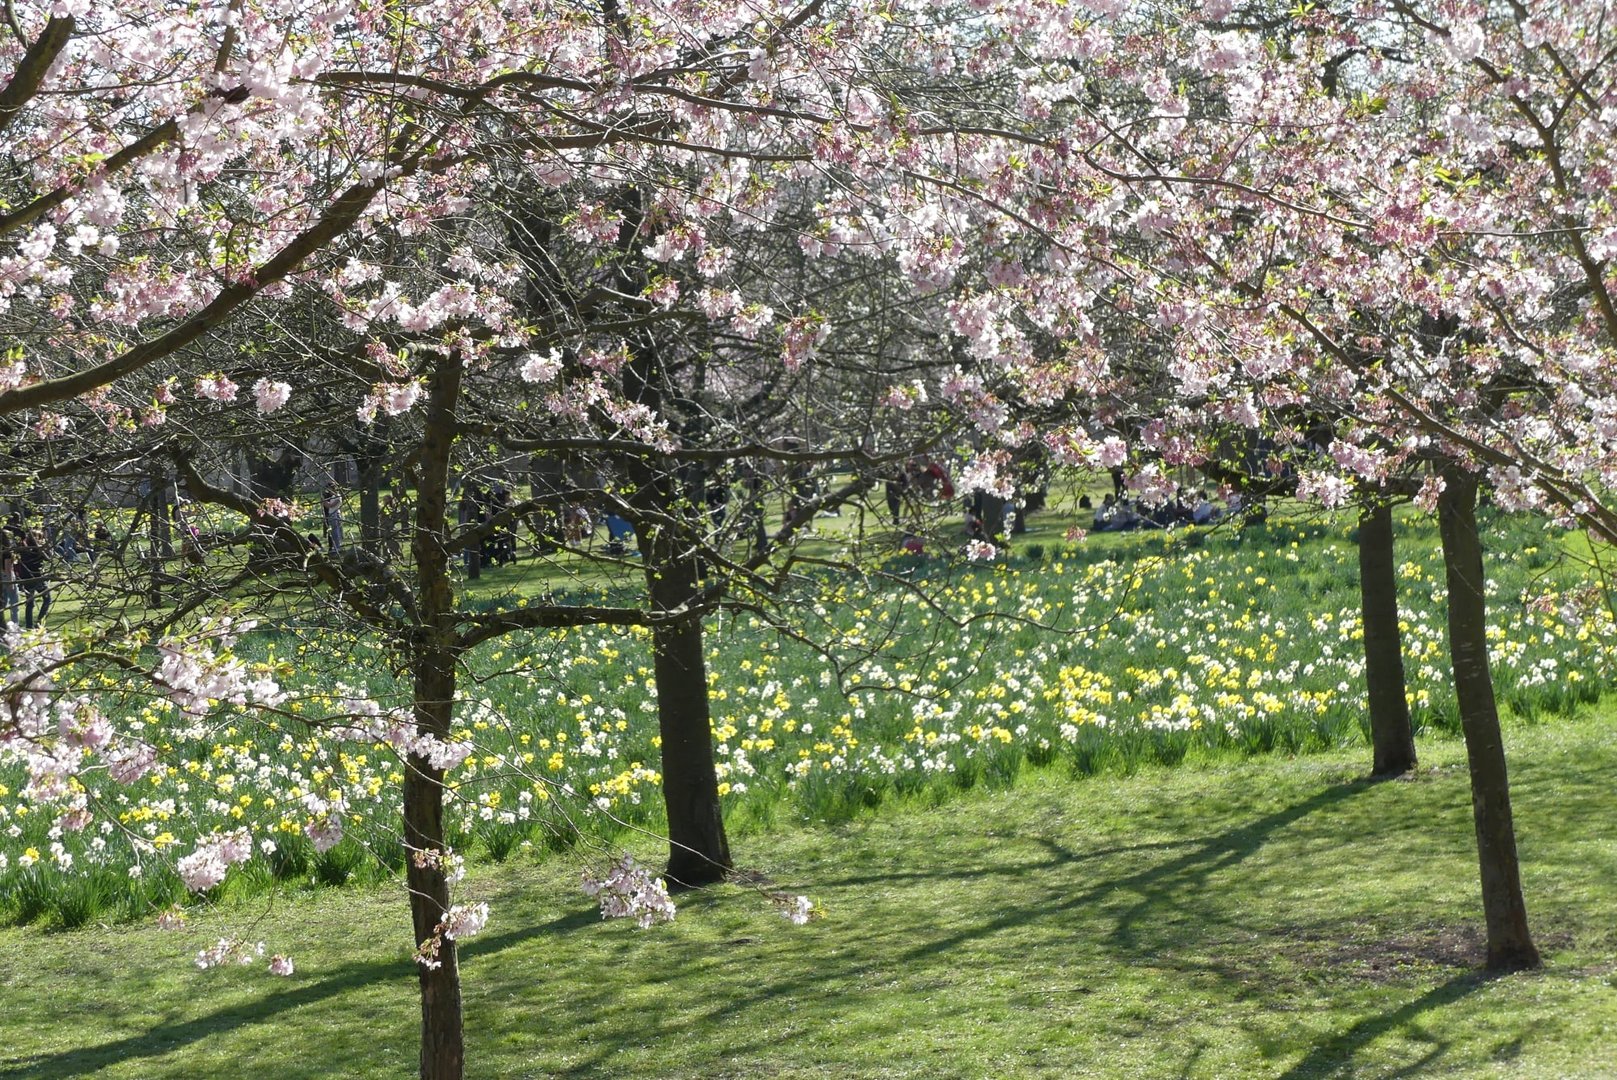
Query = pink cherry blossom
x=216 y=387
x=271 y=395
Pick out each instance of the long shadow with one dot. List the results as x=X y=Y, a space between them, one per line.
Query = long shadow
x=1157 y=885
x=165 y=1038
x=1337 y=1054
x=1217 y=852
x=1059 y=856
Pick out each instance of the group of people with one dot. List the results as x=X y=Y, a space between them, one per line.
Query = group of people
x=578 y=528
x=480 y=505
x=71 y=538
x=1118 y=513
x=24 y=573
x=920 y=481
x=25 y=560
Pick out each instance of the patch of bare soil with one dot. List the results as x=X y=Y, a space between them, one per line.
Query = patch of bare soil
x=1421 y=949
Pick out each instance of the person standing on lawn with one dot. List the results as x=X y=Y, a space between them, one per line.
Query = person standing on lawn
x=8 y=580
x=331 y=518
x=34 y=577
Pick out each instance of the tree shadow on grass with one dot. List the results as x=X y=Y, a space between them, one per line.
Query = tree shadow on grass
x=1133 y=900
x=1158 y=887
x=1163 y=885
x=1056 y=856
x=168 y=1037
x=1335 y=1055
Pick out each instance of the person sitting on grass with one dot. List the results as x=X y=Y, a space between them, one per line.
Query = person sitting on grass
x=1102 y=519
x=618 y=531
x=974 y=521
x=576 y=525
x=1128 y=517
x=101 y=541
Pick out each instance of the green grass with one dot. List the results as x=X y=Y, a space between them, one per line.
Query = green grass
x=1269 y=917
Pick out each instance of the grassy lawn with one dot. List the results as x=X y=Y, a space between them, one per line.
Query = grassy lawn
x=1269 y=917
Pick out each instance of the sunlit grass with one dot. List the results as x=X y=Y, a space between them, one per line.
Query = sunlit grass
x=1272 y=917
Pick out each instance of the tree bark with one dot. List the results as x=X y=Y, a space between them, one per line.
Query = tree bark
x=1391 y=735
x=1510 y=945
x=698 y=849
x=753 y=507
x=370 y=504
x=442 y=1040
x=159 y=535
x=433 y=661
x=994 y=518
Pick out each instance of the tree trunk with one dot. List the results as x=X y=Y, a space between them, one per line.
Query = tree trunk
x=442 y=1047
x=370 y=505
x=698 y=850
x=433 y=663
x=755 y=514
x=993 y=516
x=1391 y=735
x=1510 y=945
x=159 y=535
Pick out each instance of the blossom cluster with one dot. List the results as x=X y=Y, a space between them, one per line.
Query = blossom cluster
x=628 y=890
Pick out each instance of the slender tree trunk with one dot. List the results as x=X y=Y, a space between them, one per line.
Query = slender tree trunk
x=473 y=554
x=162 y=543
x=1391 y=735
x=434 y=658
x=698 y=850
x=370 y=504
x=754 y=509
x=1510 y=945
x=442 y=1046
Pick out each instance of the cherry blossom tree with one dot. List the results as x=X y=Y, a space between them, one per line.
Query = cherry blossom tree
x=193 y=179
x=1392 y=217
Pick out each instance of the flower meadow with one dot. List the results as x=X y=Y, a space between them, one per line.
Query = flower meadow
x=1096 y=656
